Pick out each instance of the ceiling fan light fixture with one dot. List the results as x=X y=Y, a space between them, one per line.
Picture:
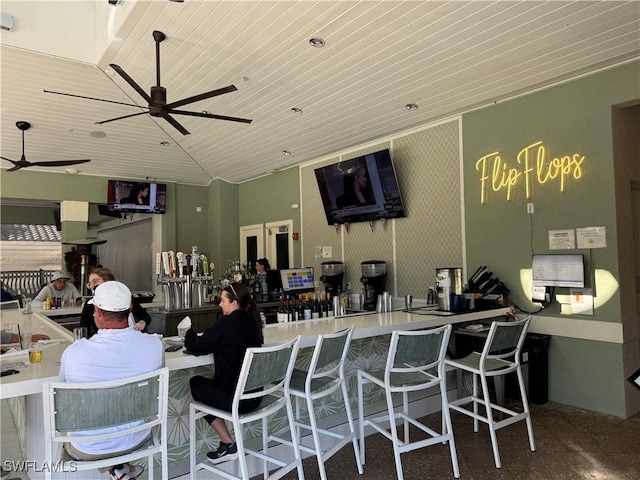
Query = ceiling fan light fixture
x=316 y=42
x=296 y=110
x=411 y=106
x=286 y=152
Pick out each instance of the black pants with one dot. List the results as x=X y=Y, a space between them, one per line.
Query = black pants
x=204 y=390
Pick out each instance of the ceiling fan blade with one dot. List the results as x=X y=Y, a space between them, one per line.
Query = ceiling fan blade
x=92 y=98
x=120 y=118
x=131 y=82
x=16 y=165
x=202 y=96
x=175 y=123
x=211 y=115
x=59 y=163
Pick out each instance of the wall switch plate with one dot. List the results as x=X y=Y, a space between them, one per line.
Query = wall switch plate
x=530 y=208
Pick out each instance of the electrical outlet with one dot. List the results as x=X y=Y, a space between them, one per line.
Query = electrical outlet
x=530 y=208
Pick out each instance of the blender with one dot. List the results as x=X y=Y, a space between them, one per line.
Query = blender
x=332 y=277
x=374 y=275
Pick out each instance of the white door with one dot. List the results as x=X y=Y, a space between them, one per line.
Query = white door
x=251 y=244
x=280 y=244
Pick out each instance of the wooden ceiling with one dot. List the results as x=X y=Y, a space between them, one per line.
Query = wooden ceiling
x=445 y=57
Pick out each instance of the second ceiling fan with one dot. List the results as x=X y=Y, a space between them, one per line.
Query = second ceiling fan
x=157 y=101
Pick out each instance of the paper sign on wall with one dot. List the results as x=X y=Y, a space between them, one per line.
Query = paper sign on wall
x=592 y=237
x=581 y=301
x=562 y=239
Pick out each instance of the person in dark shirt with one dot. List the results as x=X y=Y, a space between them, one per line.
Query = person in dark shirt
x=138 y=195
x=97 y=276
x=356 y=189
x=239 y=328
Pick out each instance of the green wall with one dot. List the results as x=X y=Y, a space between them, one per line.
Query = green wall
x=269 y=199
x=568 y=119
x=27 y=215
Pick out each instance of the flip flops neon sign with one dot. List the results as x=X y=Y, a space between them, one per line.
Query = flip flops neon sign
x=536 y=166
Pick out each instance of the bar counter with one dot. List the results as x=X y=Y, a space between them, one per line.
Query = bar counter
x=370 y=341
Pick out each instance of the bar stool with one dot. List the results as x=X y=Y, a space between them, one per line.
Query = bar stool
x=415 y=362
x=265 y=374
x=500 y=356
x=325 y=377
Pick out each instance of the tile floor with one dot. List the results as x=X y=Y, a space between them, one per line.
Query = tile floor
x=571 y=444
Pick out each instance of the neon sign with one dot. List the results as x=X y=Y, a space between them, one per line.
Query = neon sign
x=497 y=175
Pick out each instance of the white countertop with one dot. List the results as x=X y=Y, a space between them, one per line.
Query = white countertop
x=29 y=380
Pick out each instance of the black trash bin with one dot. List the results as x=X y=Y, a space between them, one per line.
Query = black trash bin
x=537 y=347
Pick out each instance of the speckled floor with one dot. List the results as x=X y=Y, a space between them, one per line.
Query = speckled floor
x=571 y=444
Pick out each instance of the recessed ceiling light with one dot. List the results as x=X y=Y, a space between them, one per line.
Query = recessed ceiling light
x=164 y=144
x=411 y=106
x=296 y=110
x=97 y=134
x=206 y=112
x=71 y=171
x=286 y=152
x=316 y=42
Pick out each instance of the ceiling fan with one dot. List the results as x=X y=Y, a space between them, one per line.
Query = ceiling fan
x=157 y=101
x=24 y=163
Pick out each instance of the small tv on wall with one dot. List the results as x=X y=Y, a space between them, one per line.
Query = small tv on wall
x=360 y=189
x=136 y=197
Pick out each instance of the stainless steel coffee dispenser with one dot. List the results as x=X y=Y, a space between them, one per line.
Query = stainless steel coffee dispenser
x=332 y=277
x=374 y=275
x=448 y=282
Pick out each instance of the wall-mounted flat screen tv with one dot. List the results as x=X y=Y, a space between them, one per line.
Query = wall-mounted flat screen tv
x=136 y=197
x=361 y=189
x=558 y=271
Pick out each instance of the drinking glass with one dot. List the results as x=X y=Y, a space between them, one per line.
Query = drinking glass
x=26 y=301
x=79 y=332
x=35 y=354
x=408 y=300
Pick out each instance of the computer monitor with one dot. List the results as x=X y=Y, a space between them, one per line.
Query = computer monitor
x=297 y=280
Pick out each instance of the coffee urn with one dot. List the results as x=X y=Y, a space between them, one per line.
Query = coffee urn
x=448 y=284
x=374 y=275
x=332 y=277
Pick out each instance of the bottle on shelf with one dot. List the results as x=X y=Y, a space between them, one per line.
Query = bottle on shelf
x=330 y=312
x=307 y=308
x=282 y=314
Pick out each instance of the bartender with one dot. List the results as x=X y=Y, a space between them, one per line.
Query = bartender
x=65 y=293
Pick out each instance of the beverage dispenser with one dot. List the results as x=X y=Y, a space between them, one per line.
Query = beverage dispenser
x=374 y=275
x=448 y=284
x=332 y=277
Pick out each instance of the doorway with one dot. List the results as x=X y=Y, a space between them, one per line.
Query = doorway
x=280 y=244
x=251 y=245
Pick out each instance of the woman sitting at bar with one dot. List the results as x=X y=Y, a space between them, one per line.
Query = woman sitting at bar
x=236 y=330
x=97 y=276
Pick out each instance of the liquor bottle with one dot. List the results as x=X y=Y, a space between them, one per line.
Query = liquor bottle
x=315 y=308
x=307 y=308
x=300 y=307
x=282 y=314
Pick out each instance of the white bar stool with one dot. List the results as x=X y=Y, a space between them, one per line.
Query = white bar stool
x=500 y=356
x=415 y=362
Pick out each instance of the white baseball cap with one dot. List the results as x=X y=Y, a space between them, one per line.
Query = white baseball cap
x=112 y=297
x=58 y=275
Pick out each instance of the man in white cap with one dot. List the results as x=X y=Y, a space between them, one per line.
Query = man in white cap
x=116 y=351
x=60 y=289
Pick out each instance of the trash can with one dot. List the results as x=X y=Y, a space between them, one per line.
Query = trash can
x=537 y=346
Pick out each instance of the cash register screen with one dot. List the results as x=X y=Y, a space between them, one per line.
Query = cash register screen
x=297 y=280
x=558 y=271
